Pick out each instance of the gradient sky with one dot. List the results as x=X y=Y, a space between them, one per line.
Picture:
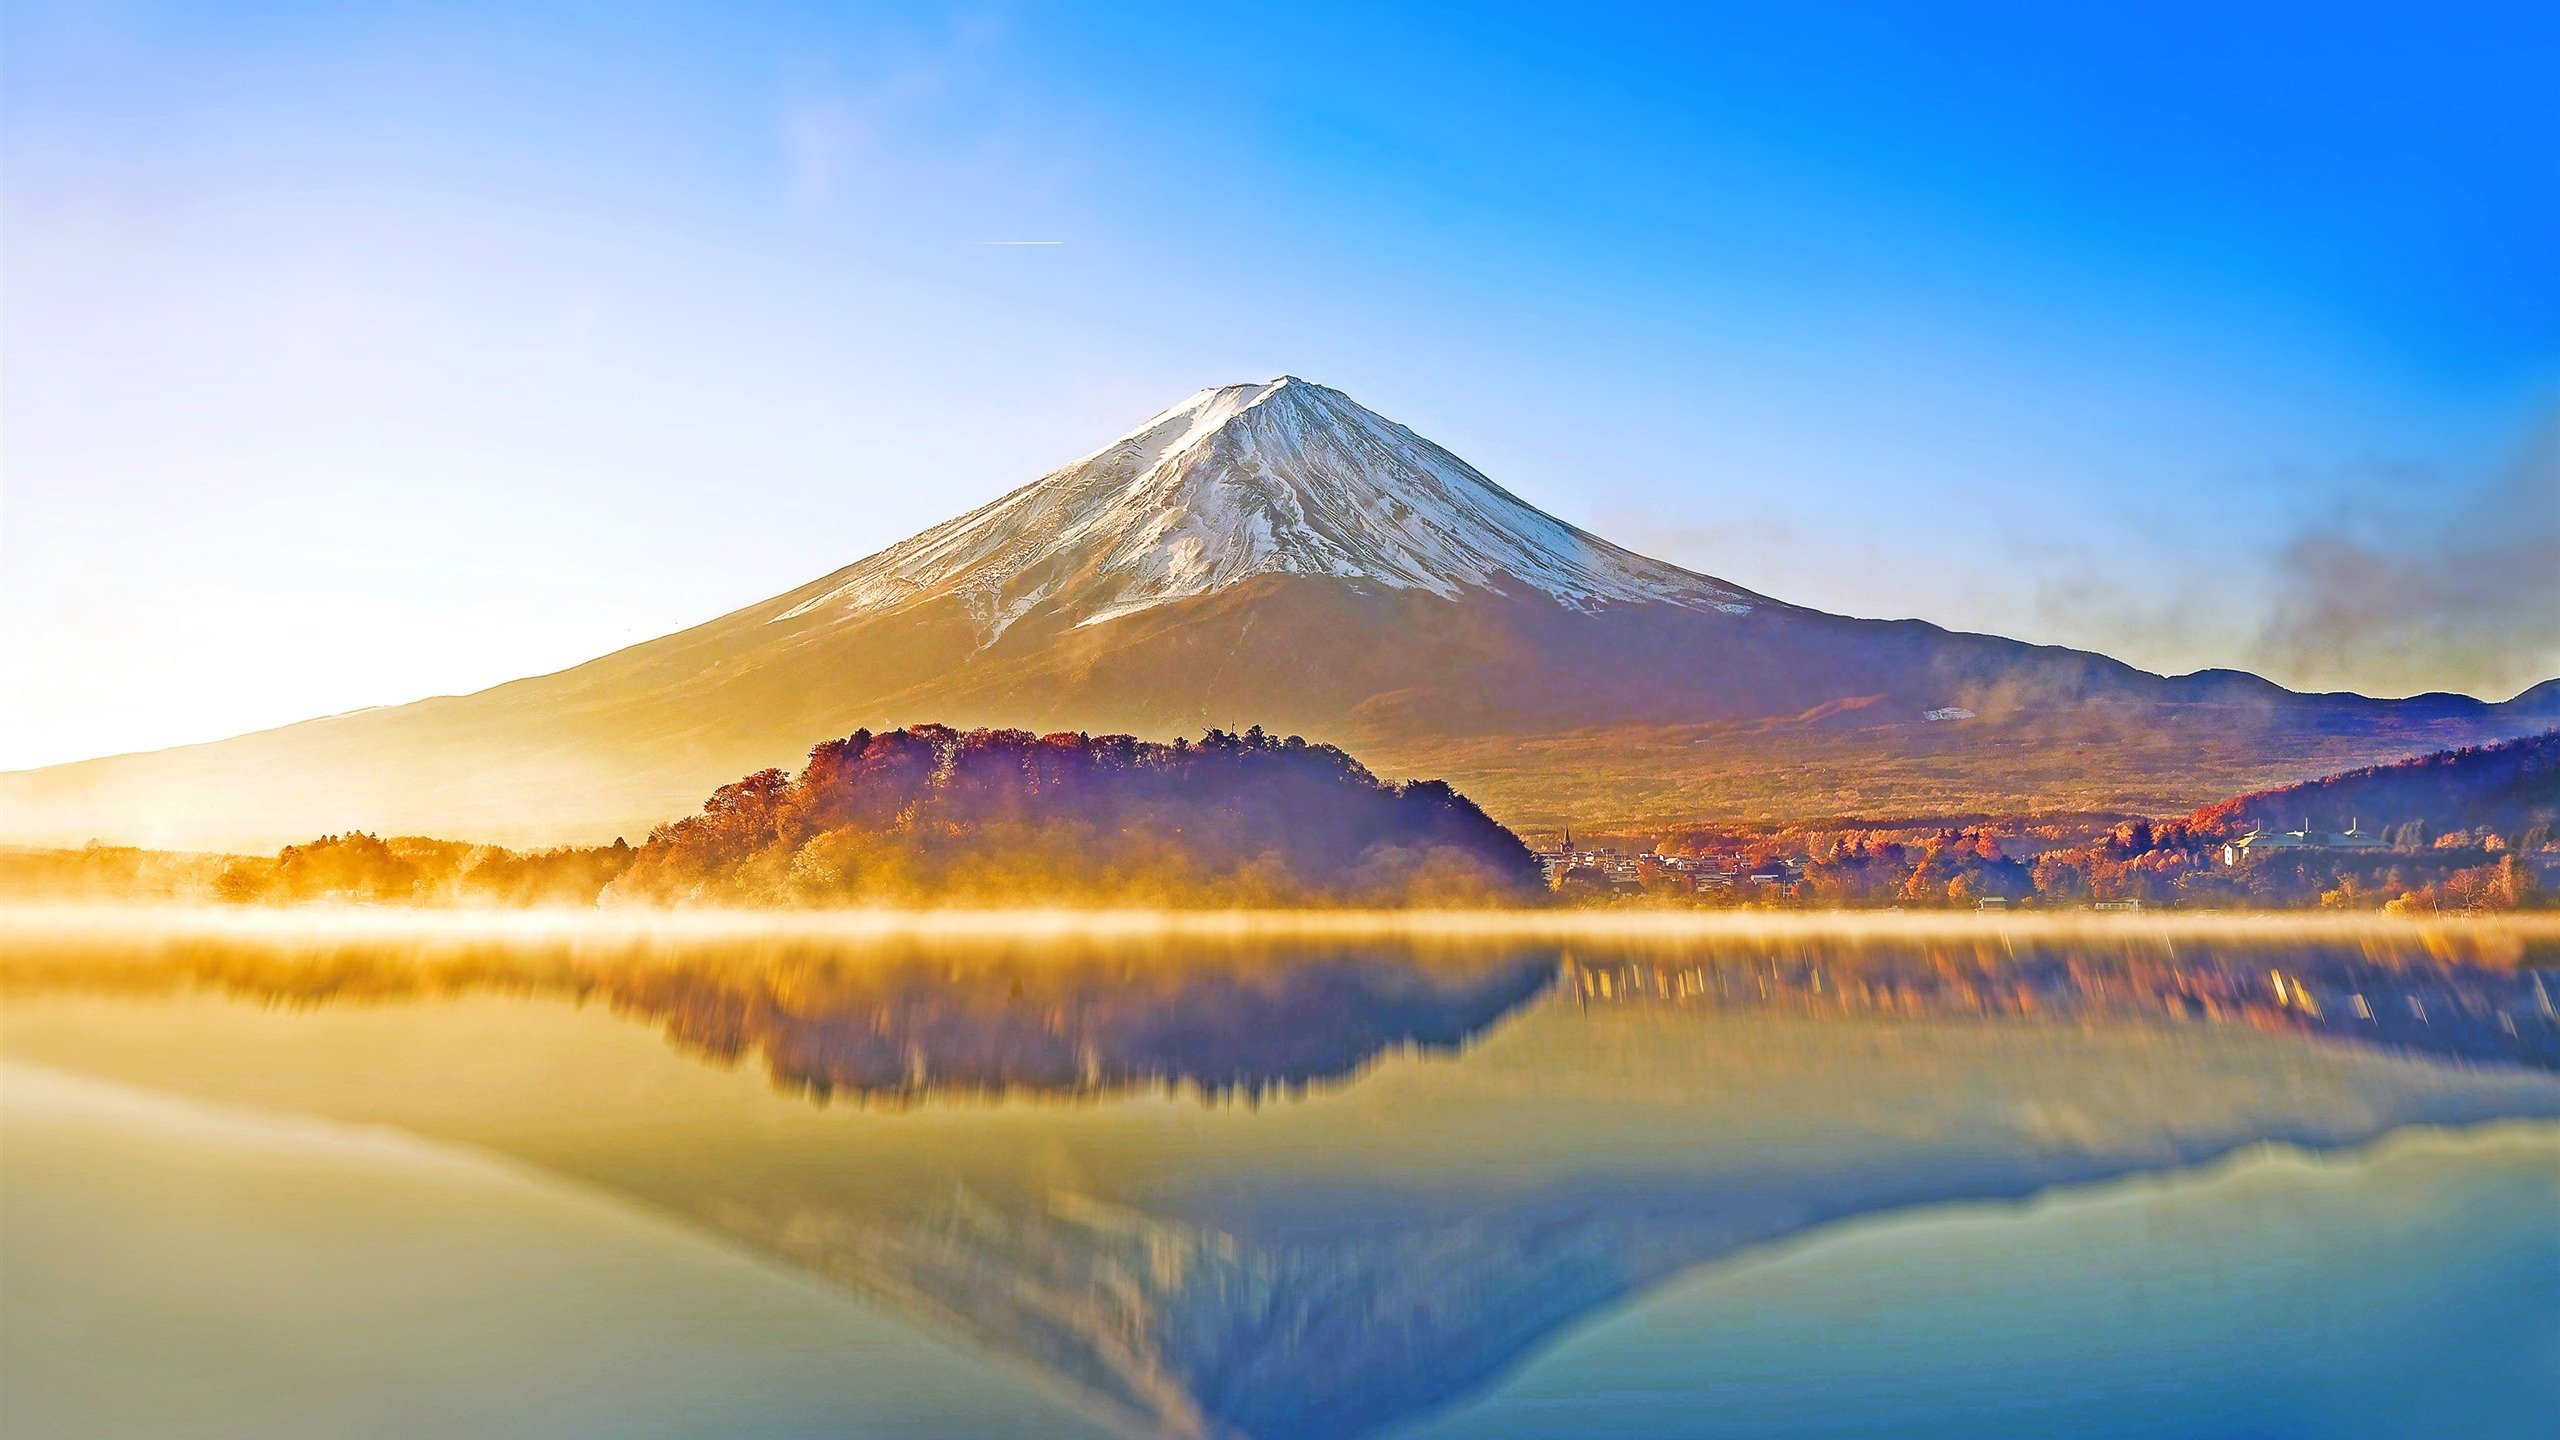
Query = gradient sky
x=357 y=353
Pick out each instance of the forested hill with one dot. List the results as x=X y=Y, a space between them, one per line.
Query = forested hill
x=2510 y=789
x=931 y=814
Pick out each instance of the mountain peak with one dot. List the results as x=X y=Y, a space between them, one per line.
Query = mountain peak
x=1207 y=411
x=1280 y=476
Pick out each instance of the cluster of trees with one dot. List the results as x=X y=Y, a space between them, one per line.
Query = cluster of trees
x=333 y=867
x=933 y=814
x=1957 y=861
x=2509 y=882
x=2056 y=864
x=412 y=870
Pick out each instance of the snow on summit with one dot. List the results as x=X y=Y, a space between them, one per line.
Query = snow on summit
x=1279 y=477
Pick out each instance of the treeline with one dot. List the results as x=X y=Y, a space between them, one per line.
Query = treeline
x=413 y=870
x=350 y=868
x=930 y=814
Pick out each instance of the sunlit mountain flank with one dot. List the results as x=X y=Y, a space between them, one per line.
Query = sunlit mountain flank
x=1277 y=554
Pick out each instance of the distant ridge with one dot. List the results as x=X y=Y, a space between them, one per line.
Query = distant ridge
x=1276 y=553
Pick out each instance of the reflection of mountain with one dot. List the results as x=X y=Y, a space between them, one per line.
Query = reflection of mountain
x=1330 y=1311
x=1274 y=1289
x=1347 y=1261
x=1191 y=1330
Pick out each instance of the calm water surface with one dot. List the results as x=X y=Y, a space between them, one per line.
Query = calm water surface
x=430 y=1186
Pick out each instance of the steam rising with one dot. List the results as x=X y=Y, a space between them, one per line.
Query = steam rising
x=2468 y=599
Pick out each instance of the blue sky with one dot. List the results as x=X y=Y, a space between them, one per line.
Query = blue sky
x=356 y=353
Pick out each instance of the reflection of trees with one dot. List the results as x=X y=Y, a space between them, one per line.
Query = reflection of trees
x=2412 y=1000
x=919 y=1025
x=903 y=1020
x=899 y=1019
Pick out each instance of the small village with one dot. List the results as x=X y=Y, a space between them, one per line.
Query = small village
x=1607 y=868
x=2097 y=863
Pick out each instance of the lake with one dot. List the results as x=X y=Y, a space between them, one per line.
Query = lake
x=394 y=1177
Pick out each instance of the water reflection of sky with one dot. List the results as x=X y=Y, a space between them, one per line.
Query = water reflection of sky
x=1276 y=1190
x=2401 y=1291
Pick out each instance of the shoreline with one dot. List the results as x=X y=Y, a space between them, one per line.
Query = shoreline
x=42 y=920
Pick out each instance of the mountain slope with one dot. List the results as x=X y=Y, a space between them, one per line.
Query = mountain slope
x=1276 y=554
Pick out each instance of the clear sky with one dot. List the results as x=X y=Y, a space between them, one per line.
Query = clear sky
x=355 y=353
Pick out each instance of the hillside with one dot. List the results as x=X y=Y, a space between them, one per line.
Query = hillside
x=2511 y=790
x=1277 y=554
x=931 y=815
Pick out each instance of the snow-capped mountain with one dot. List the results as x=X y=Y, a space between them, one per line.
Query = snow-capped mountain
x=1276 y=554
x=1282 y=477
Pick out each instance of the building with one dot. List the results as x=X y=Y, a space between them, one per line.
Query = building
x=1552 y=863
x=2260 y=841
x=1622 y=869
